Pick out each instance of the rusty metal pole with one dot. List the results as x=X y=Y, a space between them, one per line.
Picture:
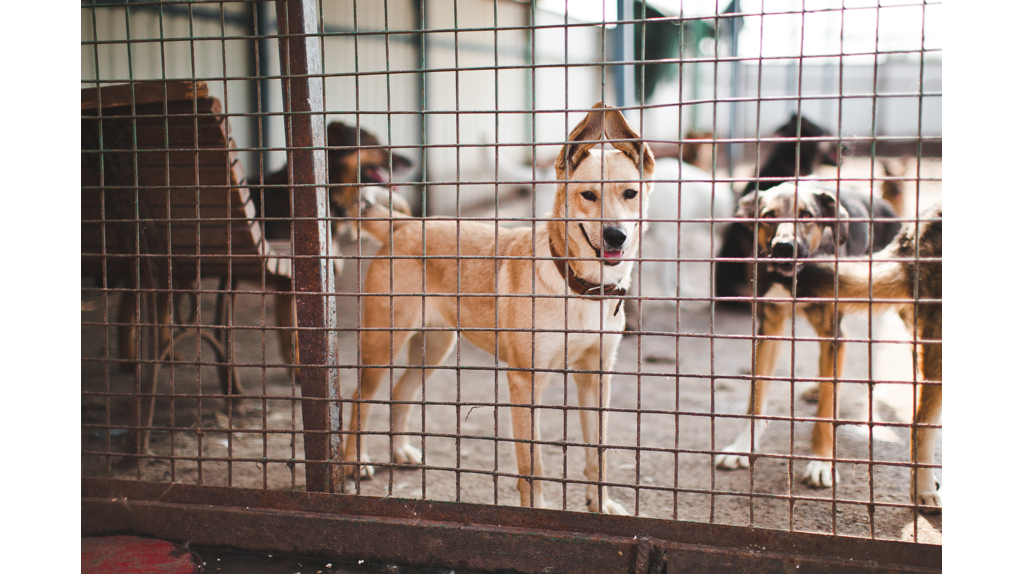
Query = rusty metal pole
x=313 y=277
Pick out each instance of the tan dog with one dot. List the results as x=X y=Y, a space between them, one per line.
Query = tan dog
x=586 y=247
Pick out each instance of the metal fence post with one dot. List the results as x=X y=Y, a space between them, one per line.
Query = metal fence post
x=313 y=276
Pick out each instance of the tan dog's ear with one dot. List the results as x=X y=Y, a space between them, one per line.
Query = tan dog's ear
x=617 y=127
x=832 y=209
x=589 y=131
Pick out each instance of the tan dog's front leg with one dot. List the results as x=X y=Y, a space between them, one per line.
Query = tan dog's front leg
x=594 y=393
x=766 y=355
x=820 y=473
x=524 y=390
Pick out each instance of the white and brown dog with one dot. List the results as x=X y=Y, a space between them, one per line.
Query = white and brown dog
x=519 y=291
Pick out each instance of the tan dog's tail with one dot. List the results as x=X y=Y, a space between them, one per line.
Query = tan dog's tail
x=385 y=213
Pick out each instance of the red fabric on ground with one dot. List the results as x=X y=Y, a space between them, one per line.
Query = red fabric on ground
x=134 y=555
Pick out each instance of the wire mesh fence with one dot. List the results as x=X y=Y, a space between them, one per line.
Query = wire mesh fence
x=294 y=213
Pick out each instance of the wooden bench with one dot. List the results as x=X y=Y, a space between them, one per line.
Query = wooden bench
x=164 y=204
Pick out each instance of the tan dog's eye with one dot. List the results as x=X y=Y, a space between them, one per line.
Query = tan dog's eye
x=770 y=214
x=589 y=196
x=629 y=193
x=805 y=213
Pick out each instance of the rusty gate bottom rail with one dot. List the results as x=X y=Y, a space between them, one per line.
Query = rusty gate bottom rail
x=425 y=533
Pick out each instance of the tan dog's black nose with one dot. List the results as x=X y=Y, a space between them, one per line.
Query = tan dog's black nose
x=614 y=237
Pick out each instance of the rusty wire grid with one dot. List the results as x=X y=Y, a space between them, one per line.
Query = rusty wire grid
x=243 y=161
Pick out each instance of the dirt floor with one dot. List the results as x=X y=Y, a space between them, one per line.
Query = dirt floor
x=676 y=403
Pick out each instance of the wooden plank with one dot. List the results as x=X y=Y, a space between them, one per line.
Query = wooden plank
x=222 y=156
x=182 y=134
x=177 y=111
x=212 y=237
x=178 y=212
x=156 y=206
x=182 y=158
x=179 y=176
x=145 y=92
x=179 y=130
x=184 y=269
x=179 y=159
x=163 y=133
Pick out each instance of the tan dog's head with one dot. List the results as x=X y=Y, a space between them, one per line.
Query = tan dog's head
x=794 y=221
x=597 y=210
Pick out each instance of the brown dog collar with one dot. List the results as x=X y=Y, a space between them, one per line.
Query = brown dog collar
x=582 y=286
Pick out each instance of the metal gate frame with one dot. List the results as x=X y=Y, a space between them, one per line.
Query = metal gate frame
x=425 y=533
x=481 y=537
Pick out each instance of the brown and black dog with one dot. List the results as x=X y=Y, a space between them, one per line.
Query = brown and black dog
x=732 y=278
x=793 y=224
x=353 y=157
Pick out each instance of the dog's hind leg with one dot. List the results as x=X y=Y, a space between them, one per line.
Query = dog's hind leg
x=375 y=350
x=929 y=410
x=439 y=345
x=766 y=354
x=820 y=473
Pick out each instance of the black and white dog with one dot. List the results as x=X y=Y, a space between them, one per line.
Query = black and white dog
x=732 y=278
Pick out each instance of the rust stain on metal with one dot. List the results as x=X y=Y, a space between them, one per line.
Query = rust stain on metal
x=473 y=536
x=314 y=276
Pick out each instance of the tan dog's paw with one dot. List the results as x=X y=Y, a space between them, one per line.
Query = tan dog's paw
x=742 y=446
x=818 y=474
x=365 y=470
x=931 y=501
x=608 y=506
x=408 y=454
x=732 y=461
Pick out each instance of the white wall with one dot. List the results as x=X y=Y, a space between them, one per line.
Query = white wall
x=532 y=104
x=898 y=85
x=224 y=64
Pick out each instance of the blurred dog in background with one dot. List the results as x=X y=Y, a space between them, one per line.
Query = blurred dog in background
x=679 y=228
x=353 y=156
